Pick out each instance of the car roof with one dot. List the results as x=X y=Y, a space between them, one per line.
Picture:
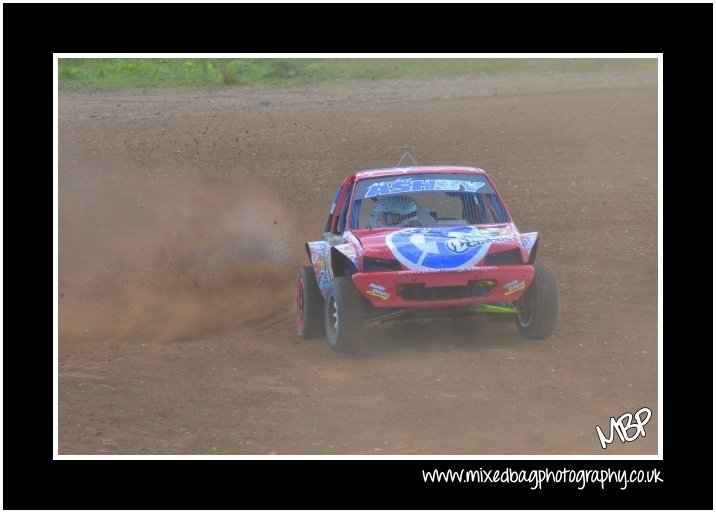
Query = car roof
x=393 y=171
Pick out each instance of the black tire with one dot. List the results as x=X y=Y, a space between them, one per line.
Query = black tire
x=344 y=316
x=309 y=305
x=538 y=306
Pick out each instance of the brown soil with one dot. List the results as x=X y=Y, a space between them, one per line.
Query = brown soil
x=182 y=221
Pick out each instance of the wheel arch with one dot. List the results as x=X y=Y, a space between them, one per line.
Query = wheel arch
x=530 y=243
x=343 y=261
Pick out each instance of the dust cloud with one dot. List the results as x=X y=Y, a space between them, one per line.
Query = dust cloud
x=164 y=260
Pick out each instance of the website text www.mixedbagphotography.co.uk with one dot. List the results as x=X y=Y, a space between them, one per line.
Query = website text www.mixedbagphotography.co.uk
x=537 y=478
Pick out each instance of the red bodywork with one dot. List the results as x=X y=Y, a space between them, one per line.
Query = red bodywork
x=410 y=284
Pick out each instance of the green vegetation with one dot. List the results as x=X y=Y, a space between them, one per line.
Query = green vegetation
x=93 y=74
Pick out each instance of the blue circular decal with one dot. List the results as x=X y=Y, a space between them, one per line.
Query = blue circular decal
x=439 y=248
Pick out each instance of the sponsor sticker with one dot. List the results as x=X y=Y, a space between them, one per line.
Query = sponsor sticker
x=441 y=248
x=405 y=185
x=450 y=270
x=513 y=286
x=377 y=290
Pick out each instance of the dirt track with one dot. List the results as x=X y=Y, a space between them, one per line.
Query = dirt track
x=182 y=222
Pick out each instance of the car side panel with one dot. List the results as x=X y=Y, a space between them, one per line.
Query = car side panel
x=319 y=253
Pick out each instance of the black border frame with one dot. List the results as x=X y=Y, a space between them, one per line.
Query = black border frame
x=32 y=480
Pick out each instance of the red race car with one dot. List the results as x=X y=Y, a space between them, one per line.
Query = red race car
x=421 y=242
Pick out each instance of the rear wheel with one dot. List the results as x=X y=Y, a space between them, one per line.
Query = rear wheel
x=344 y=316
x=537 y=308
x=309 y=305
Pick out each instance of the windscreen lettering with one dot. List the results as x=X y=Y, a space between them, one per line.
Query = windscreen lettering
x=404 y=185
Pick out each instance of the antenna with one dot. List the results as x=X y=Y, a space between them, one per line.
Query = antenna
x=408 y=155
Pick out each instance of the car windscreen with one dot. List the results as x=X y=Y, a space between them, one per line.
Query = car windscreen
x=426 y=200
x=385 y=186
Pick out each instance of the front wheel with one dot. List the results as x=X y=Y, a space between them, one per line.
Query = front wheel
x=344 y=316
x=537 y=308
x=309 y=305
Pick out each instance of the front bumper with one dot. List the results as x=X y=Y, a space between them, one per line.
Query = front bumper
x=442 y=288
